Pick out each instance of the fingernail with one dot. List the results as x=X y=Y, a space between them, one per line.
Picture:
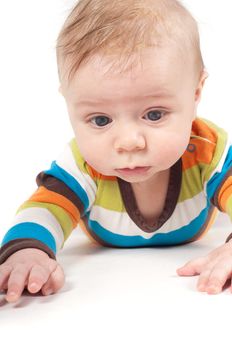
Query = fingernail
x=48 y=291
x=213 y=289
x=11 y=297
x=33 y=286
x=201 y=287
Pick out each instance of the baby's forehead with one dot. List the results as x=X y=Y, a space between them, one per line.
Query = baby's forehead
x=158 y=63
x=141 y=58
x=152 y=72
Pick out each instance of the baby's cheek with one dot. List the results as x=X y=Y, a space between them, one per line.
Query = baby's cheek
x=172 y=149
x=95 y=158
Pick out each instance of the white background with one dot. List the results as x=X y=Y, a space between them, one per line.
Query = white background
x=113 y=298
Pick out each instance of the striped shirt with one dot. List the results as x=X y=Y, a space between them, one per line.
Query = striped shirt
x=71 y=192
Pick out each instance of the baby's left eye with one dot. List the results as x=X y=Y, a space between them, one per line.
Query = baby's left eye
x=154 y=115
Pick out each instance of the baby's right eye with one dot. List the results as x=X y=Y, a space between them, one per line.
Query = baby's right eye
x=100 y=120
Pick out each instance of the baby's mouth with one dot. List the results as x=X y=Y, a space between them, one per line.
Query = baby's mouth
x=140 y=170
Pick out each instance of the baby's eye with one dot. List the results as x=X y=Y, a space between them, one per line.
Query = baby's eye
x=154 y=115
x=100 y=120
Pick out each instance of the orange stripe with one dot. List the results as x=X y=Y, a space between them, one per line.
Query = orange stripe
x=199 y=155
x=96 y=175
x=44 y=195
x=93 y=173
x=84 y=229
x=225 y=193
x=210 y=223
x=108 y=178
x=200 y=128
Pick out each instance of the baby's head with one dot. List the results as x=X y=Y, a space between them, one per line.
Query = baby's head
x=131 y=72
x=120 y=28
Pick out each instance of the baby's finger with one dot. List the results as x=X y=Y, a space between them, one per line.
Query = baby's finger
x=193 y=267
x=203 y=280
x=218 y=277
x=16 y=282
x=55 y=281
x=4 y=275
x=37 y=277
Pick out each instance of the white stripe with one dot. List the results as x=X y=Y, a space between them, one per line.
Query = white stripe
x=121 y=223
x=67 y=162
x=43 y=217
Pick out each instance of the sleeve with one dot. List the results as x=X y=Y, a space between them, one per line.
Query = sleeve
x=219 y=187
x=65 y=193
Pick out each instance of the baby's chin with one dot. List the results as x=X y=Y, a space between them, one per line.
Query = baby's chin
x=133 y=176
x=133 y=181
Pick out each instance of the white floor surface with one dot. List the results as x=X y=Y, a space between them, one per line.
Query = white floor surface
x=123 y=299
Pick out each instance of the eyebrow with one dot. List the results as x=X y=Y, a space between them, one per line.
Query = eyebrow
x=157 y=96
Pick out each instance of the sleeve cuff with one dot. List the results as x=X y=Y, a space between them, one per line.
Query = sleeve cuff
x=228 y=238
x=17 y=244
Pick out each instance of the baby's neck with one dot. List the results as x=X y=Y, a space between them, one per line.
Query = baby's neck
x=151 y=196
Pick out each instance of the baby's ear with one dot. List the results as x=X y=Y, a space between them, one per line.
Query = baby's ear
x=204 y=75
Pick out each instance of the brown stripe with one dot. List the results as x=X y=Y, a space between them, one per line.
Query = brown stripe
x=18 y=244
x=214 y=200
x=55 y=185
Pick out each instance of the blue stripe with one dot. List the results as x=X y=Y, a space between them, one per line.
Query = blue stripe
x=217 y=179
x=30 y=230
x=70 y=181
x=161 y=239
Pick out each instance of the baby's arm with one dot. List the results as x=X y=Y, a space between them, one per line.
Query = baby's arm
x=43 y=223
x=32 y=269
x=215 y=268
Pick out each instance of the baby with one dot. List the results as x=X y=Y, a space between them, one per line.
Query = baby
x=143 y=170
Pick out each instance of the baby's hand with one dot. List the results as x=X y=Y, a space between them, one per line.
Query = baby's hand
x=214 y=269
x=31 y=268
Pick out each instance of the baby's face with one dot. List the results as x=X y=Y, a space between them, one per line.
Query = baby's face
x=139 y=118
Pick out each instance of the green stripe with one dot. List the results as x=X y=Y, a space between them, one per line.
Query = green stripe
x=109 y=196
x=61 y=215
x=191 y=183
x=80 y=162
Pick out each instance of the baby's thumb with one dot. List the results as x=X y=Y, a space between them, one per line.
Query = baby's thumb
x=55 y=281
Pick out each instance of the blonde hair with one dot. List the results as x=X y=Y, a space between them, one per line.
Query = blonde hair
x=123 y=27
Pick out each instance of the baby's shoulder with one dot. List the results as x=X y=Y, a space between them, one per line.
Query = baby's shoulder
x=207 y=147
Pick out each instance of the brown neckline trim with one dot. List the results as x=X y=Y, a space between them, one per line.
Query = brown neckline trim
x=173 y=192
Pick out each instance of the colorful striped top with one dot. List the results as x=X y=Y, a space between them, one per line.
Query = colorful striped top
x=71 y=192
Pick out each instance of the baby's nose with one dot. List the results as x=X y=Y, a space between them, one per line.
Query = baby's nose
x=130 y=142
